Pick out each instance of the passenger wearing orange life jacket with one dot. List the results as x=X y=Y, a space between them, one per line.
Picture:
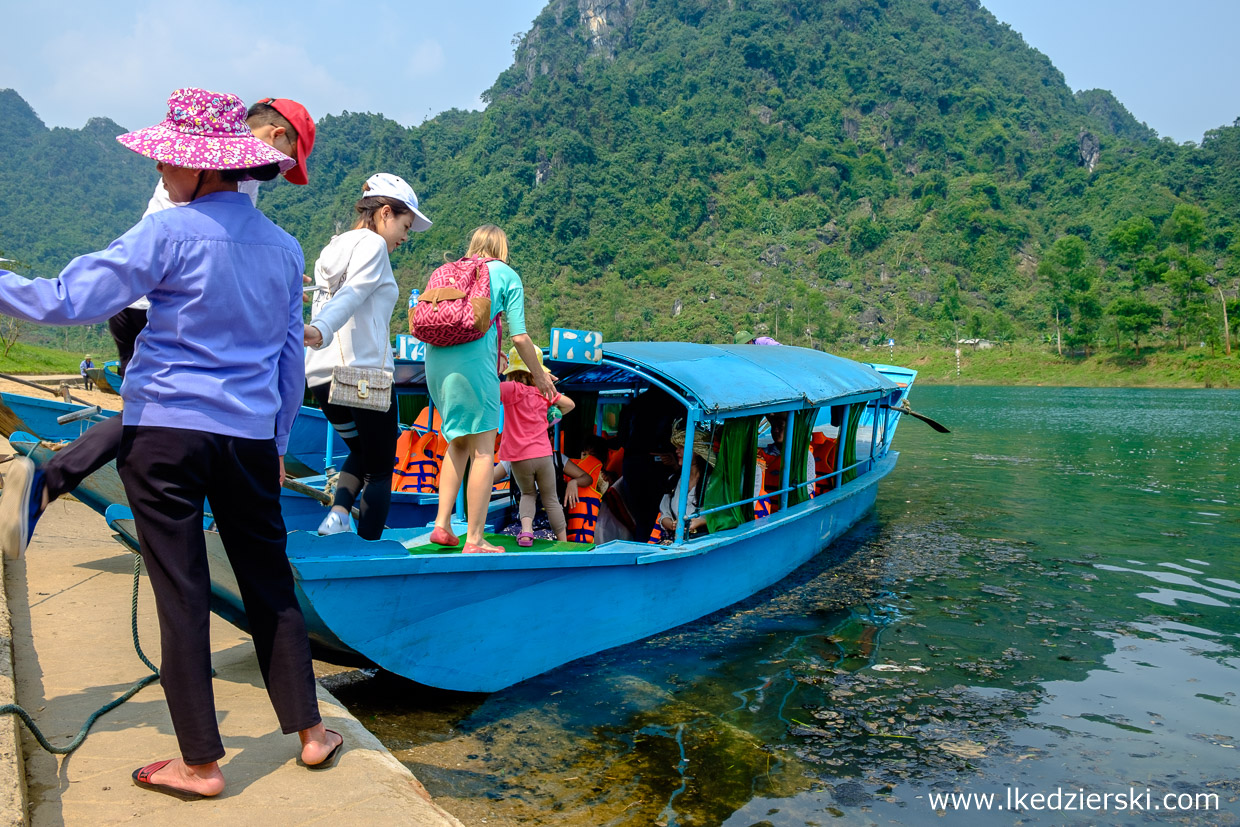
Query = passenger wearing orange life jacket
x=694 y=524
x=584 y=497
x=771 y=462
x=825 y=450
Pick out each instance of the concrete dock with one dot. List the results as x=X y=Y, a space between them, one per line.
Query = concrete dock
x=72 y=651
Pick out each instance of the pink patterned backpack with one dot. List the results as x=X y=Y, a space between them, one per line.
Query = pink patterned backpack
x=455 y=307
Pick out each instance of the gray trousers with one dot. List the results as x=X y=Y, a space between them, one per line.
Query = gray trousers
x=540 y=472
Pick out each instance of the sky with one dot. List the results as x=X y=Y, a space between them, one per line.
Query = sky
x=1173 y=65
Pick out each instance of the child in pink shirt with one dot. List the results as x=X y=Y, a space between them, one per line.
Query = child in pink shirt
x=526 y=445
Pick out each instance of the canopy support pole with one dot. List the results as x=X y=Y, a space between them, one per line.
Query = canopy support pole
x=786 y=471
x=686 y=466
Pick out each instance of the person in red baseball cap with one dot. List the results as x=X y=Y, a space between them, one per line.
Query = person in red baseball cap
x=286 y=125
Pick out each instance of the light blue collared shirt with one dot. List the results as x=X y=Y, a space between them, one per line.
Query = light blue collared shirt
x=222 y=347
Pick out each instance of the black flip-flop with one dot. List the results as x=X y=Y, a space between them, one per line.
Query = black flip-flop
x=330 y=761
x=142 y=775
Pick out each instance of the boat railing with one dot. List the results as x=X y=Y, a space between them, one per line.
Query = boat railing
x=773 y=494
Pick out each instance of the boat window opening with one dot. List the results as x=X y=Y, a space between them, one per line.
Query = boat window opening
x=821 y=447
x=851 y=427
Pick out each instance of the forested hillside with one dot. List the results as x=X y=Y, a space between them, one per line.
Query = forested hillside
x=828 y=171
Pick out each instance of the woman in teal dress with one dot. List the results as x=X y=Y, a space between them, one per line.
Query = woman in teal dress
x=464 y=385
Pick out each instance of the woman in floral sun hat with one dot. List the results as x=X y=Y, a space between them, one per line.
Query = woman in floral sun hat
x=215 y=383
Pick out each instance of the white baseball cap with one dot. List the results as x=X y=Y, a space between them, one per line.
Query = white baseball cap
x=393 y=186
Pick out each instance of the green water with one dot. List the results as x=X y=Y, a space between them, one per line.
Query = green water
x=1044 y=599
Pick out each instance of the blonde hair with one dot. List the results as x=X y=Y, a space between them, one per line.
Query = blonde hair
x=490 y=241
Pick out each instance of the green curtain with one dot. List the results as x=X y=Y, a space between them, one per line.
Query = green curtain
x=409 y=405
x=798 y=451
x=849 y=444
x=732 y=477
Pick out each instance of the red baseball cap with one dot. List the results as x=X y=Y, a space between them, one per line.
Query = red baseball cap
x=297 y=115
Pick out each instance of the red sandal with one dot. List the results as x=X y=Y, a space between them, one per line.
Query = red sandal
x=142 y=777
x=444 y=537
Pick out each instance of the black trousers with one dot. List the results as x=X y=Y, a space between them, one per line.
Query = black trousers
x=95 y=448
x=168 y=472
x=366 y=476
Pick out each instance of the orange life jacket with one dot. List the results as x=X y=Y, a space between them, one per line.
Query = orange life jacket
x=592 y=466
x=583 y=517
x=615 y=462
x=418 y=460
x=825 y=449
x=419 y=423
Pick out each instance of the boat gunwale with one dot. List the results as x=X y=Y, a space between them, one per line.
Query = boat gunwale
x=613 y=553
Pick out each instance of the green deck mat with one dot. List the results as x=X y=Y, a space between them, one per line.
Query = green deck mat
x=508 y=543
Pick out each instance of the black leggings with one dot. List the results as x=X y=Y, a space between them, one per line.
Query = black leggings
x=125 y=327
x=371 y=437
x=97 y=447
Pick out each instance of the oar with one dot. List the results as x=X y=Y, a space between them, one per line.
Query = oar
x=905 y=409
x=312 y=493
x=43 y=388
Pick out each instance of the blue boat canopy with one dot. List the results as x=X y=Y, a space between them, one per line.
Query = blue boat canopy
x=723 y=379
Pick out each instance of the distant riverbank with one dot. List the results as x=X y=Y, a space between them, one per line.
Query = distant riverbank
x=1194 y=368
x=936 y=365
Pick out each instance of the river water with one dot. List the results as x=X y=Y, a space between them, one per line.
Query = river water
x=1044 y=602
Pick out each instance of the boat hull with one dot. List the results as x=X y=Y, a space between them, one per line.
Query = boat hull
x=226 y=594
x=479 y=623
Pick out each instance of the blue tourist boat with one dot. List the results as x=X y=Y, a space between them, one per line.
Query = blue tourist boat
x=483 y=622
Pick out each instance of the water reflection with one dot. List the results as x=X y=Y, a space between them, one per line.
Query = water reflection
x=1044 y=597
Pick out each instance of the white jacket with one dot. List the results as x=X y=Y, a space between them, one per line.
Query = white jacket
x=353 y=307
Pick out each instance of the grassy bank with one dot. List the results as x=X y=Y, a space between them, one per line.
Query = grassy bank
x=32 y=360
x=1032 y=366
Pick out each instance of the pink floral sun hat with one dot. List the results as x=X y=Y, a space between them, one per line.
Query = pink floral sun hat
x=204 y=130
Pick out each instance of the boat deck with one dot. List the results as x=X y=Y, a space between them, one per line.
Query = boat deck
x=421 y=545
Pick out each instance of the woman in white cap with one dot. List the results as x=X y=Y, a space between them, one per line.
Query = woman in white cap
x=210 y=396
x=350 y=326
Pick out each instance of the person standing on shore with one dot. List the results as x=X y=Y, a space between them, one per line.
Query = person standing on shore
x=281 y=124
x=84 y=368
x=213 y=389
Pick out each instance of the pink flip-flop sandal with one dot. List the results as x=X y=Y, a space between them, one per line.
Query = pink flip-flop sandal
x=142 y=778
x=525 y=539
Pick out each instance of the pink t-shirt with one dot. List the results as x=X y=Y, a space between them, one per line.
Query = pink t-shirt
x=525 y=422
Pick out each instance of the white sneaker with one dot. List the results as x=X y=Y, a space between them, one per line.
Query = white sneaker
x=333 y=523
